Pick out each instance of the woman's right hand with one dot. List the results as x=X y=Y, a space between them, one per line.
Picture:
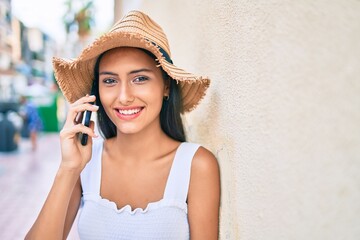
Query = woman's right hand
x=74 y=155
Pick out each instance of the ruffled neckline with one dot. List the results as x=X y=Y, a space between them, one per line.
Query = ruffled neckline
x=128 y=209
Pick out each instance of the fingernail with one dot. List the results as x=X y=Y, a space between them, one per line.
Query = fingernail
x=96 y=106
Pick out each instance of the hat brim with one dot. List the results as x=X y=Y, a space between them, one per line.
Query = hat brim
x=75 y=76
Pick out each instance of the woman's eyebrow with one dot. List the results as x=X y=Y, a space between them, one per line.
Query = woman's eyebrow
x=139 y=70
x=129 y=73
x=107 y=73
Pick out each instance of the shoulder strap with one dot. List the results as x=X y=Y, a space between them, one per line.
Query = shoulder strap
x=91 y=174
x=177 y=185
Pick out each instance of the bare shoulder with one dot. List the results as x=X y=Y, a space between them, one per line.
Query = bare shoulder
x=204 y=196
x=204 y=162
x=204 y=171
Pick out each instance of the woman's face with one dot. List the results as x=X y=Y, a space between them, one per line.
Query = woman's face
x=131 y=89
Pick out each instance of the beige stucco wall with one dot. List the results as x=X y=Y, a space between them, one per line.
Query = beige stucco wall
x=283 y=111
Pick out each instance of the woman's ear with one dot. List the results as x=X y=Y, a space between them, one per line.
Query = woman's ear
x=167 y=87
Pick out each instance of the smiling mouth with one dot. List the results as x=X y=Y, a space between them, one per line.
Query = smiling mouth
x=129 y=112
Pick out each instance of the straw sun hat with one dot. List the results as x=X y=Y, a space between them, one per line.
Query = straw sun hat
x=136 y=29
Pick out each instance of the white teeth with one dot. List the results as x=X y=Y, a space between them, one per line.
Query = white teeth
x=129 y=111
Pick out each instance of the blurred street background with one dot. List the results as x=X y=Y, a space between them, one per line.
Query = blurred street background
x=32 y=108
x=30 y=101
x=25 y=180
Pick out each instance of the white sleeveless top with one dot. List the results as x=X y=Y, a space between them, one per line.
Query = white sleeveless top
x=165 y=219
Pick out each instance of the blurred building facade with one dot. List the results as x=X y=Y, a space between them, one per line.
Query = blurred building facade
x=25 y=66
x=6 y=51
x=25 y=55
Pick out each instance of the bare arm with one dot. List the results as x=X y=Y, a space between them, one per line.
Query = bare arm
x=73 y=208
x=58 y=213
x=204 y=196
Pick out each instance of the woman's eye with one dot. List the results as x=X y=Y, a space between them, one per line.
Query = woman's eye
x=140 y=79
x=109 y=81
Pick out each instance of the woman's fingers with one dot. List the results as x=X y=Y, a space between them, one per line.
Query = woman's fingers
x=75 y=114
x=73 y=125
x=86 y=99
x=76 y=110
x=79 y=111
x=92 y=127
x=79 y=117
x=78 y=128
x=85 y=106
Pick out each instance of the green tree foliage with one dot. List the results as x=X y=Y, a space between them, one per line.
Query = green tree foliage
x=79 y=16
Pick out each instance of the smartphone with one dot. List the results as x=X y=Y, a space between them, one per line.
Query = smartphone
x=84 y=137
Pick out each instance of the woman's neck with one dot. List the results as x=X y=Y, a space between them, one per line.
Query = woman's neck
x=146 y=145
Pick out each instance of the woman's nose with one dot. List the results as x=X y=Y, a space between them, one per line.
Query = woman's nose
x=126 y=96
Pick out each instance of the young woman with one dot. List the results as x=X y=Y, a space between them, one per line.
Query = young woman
x=141 y=179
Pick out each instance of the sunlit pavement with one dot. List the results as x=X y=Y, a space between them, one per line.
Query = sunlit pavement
x=25 y=180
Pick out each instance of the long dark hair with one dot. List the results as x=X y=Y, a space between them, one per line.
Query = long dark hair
x=170 y=119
